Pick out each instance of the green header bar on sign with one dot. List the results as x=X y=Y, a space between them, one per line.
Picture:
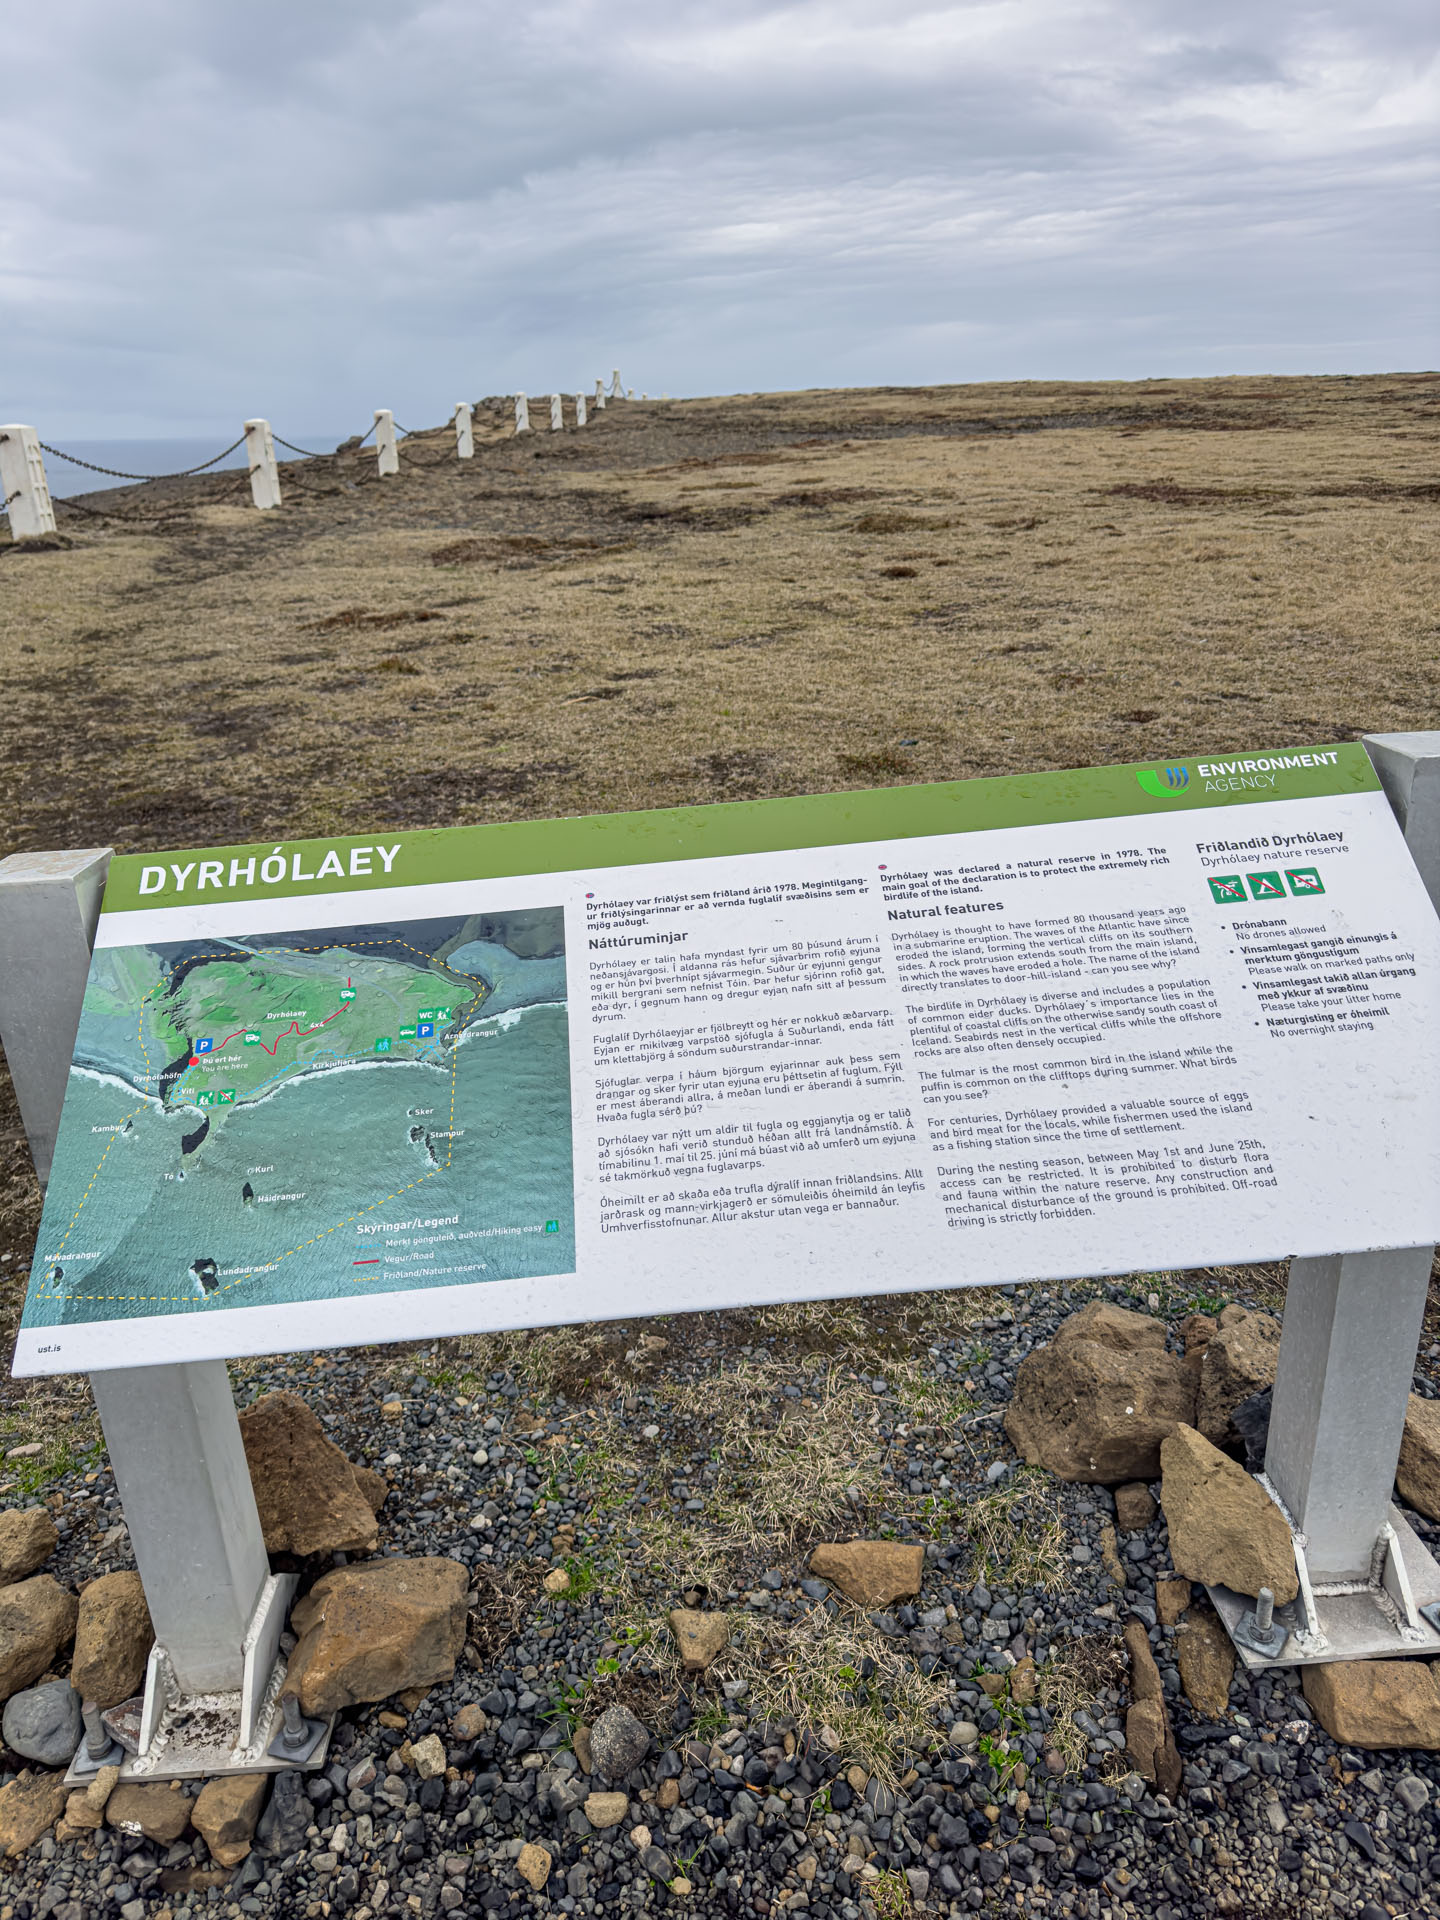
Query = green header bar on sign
x=277 y=870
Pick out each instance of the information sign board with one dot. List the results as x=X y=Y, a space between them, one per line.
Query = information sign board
x=1056 y=1024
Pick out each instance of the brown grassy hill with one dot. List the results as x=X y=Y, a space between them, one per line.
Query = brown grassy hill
x=708 y=599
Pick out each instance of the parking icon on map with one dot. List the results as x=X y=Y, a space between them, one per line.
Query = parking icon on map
x=425 y=1030
x=204 y=1046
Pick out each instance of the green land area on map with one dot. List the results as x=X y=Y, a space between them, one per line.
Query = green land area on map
x=305 y=1115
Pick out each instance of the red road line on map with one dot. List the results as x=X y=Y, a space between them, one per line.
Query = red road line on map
x=294 y=1027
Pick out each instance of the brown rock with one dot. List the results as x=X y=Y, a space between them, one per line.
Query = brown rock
x=580 y=1742
x=304 y=1486
x=37 y=1617
x=1172 y=1597
x=80 y=1817
x=1118 y=1328
x=533 y=1865
x=1207 y=1663
x=1145 y=1682
x=98 y=1792
x=1095 y=1404
x=1151 y=1745
x=667 y=1795
x=872 y=1573
x=1110 y=1556
x=1224 y=1529
x=29 y=1807
x=1196 y=1330
x=1148 y=1733
x=606 y=1809
x=368 y=1631
x=699 y=1636
x=1134 y=1507
x=113 y=1638
x=1024 y=1684
x=151 y=1808
x=1376 y=1703
x=226 y=1811
x=470 y=1722
x=373 y=1487
x=1239 y=1360
x=1418 y=1474
x=27 y=1540
x=556 y=1581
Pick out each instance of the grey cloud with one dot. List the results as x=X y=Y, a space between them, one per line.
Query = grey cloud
x=312 y=210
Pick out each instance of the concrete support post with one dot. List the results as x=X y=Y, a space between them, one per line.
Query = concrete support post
x=464 y=431
x=579 y=409
x=386 y=450
x=23 y=486
x=179 y=1465
x=617 y=392
x=1347 y=1355
x=522 y=414
x=1409 y=768
x=599 y=396
x=264 y=473
x=172 y=1431
x=557 y=413
x=49 y=904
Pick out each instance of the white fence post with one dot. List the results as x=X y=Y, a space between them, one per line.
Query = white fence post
x=385 y=448
x=599 y=395
x=522 y=414
x=617 y=392
x=23 y=484
x=264 y=473
x=464 y=431
x=580 y=410
x=557 y=413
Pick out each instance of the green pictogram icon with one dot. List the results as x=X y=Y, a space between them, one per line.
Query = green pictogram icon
x=347 y=993
x=226 y=1097
x=552 y=1226
x=407 y=1033
x=1227 y=889
x=205 y=1097
x=252 y=1039
x=1266 y=886
x=1304 y=879
x=384 y=1043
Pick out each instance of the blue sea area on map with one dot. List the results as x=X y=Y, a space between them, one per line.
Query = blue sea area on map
x=373 y=1176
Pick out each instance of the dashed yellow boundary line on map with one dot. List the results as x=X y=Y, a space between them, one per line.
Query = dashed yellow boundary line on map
x=189 y=1299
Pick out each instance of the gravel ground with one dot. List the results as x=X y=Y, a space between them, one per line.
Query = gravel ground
x=830 y=1762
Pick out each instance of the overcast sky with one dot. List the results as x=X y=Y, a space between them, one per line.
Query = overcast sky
x=310 y=208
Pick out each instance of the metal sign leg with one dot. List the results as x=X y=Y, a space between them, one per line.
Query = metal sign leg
x=172 y=1432
x=1352 y=1327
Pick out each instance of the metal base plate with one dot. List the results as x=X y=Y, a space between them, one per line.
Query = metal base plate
x=1354 y=1625
x=198 y=1739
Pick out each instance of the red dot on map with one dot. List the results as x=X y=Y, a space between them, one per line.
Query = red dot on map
x=194 y=1059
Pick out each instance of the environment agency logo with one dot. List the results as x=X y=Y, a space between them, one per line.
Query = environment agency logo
x=1164 y=782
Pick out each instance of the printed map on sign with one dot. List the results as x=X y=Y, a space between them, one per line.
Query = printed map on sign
x=295 y=1116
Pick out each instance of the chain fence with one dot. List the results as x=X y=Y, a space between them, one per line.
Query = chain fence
x=115 y=473
x=141 y=516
